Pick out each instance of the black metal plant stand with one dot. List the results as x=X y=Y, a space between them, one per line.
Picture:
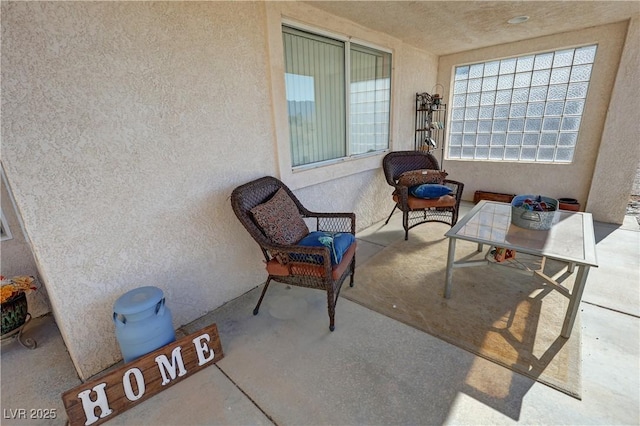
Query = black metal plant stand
x=27 y=342
x=431 y=116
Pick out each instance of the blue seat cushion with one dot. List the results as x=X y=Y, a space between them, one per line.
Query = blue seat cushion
x=338 y=243
x=429 y=190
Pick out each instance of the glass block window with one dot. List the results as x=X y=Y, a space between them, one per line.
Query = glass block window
x=520 y=109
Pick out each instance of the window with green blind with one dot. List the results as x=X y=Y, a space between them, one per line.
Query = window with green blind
x=338 y=97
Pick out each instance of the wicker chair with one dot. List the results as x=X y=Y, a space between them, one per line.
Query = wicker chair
x=294 y=264
x=416 y=211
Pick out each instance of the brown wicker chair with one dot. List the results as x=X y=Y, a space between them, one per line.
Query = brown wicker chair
x=416 y=211
x=293 y=264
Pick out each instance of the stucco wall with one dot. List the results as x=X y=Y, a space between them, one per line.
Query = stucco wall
x=555 y=180
x=125 y=126
x=616 y=170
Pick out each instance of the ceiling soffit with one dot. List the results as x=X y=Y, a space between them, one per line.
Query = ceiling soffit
x=446 y=27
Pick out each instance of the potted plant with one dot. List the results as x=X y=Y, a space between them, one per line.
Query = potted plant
x=14 y=301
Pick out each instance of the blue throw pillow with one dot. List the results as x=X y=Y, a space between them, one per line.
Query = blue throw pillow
x=338 y=243
x=429 y=190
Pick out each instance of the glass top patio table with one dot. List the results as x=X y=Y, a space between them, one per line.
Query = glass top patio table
x=571 y=239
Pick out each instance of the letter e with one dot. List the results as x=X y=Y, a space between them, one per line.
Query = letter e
x=201 y=348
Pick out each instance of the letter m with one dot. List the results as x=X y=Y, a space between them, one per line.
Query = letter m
x=166 y=367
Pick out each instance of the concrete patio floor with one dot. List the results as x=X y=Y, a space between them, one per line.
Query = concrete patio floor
x=285 y=367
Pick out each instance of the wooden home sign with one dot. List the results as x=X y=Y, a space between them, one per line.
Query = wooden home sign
x=95 y=402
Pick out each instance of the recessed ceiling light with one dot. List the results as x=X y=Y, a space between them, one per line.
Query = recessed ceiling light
x=518 y=19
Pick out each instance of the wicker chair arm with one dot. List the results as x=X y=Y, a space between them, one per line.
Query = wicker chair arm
x=301 y=255
x=399 y=188
x=456 y=187
x=402 y=191
x=334 y=222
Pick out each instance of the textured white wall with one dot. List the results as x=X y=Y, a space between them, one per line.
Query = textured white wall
x=125 y=126
x=619 y=154
x=417 y=73
x=554 y=180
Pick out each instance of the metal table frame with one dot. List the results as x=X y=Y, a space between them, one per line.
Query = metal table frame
x=571 y=239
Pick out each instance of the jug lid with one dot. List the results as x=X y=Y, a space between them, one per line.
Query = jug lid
x=138 y=300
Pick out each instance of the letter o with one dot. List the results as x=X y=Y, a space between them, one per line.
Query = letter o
x=126 y=383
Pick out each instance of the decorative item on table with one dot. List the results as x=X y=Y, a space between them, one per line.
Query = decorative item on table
x=500 y=254
x=14 y=301
x=533 y=212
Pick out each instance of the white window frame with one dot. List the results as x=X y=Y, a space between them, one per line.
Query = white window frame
x=307 y=175
x=6 y=232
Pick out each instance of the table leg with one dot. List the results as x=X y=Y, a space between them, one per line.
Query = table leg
x=571 y=267
x=450 y=259
x=574 y=301
x=479 y=247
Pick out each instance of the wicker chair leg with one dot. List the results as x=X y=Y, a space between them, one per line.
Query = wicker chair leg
x=264 y=290
x=353 y=271
x=331 y=303
x=394 y=209
x=405 y=224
